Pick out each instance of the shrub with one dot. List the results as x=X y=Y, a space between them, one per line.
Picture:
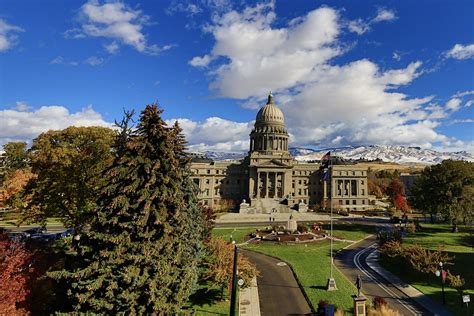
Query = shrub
x=456 y=282
x=411 y=228
x=302 y=228
x=392 y=249
x=389 y=235
x=424 y=260
x=379 y=302
x=383 y=311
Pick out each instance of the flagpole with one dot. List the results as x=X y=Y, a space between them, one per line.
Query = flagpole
x=331 y=282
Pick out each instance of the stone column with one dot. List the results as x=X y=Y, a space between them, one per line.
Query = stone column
x=275 y=193
x=258 y=185
x=266 y=184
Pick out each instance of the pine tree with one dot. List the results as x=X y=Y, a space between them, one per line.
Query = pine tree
x=141 y=253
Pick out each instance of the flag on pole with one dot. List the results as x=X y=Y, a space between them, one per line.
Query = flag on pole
x=324 y=168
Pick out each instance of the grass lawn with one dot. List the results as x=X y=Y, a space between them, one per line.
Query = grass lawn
x=238 y=234
x=350 y=231
x=310 y=262
x=207 y=301
x=13 y=223
x=458 y=245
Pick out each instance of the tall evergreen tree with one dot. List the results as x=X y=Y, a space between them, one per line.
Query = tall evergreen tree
x=141 y=253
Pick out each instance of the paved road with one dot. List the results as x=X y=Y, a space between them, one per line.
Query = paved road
x=352 y=261
x=278 y=290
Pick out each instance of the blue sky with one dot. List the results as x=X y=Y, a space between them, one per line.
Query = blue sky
x=343 y=72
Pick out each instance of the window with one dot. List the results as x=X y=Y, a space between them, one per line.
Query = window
x=208 y=181
x=299 y=182
x=354 y=202
x=363 y=201
x=208 y=171
x=340 y=202
x=347 y=202
x=206 y=192
x=217 y=181
x=299 y=192
x=362 y=191
x=361 y=182
x=217 y=171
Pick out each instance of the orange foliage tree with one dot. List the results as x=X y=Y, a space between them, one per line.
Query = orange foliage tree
x=14 y=183
x=220 y=264
x=15 y=262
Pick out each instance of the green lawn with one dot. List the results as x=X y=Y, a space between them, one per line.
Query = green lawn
x=207 y=301
x=458 y=245
x=311 y=264
x=350 y=231
x=13 y=223
x=238 y=234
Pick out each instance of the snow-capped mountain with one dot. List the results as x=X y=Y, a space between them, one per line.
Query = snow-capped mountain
x=397 y=154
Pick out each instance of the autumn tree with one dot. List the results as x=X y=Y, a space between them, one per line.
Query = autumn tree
x=16 y=156
x=401 y=203
x=220 y=264
x=141 y=252
x=446 y=189
x=14 y=183
x=68 y=165
x=14 y=275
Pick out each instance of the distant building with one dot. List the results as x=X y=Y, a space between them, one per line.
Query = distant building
x=270 y=178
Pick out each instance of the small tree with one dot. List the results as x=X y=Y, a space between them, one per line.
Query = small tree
x=14 y=276
x=220 y=264
x=15 y=156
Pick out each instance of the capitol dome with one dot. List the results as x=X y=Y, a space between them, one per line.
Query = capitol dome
x=270 y=113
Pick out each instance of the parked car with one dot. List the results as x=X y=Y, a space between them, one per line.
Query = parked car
x=34 y=232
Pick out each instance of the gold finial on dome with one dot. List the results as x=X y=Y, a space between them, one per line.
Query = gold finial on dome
x=270 y=98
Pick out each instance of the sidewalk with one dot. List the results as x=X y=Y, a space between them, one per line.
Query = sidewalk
x=249 y=304
x=410 y=291
x=279 y=217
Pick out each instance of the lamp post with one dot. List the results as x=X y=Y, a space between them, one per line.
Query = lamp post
x=443 y=276
x=233 y=296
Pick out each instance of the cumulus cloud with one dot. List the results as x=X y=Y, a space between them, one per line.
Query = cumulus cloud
x=262 y=58
x=8 y=35
x=200 y=61
x=60 y=60
x=215 y=133
x=116 y=21
x=361 y=26
x=461 y=52
x=324 y=103
x=22 y=124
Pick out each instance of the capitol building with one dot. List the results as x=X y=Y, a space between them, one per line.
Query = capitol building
x=270 y=179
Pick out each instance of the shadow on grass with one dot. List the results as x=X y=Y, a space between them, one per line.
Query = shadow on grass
x=205 y=296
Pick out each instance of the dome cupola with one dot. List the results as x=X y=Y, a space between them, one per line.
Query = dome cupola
x=270 y=113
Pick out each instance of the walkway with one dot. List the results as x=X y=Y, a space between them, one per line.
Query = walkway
x=278 y=290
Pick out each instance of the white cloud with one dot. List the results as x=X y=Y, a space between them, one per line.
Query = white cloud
x=23 y=125
x=215 y=134
x=460 y=51
x=94 y=61
x=8 y=36
x=461 y=94
x=116 y=21
x=200 y=61
x=60 y=60
x=462 y=121
x=361 y=26
x=324 y=103
x=262 y=58
x=384 y=15
x=21 y=106
x=453 y=104
x=469 y=103
x=112 y=48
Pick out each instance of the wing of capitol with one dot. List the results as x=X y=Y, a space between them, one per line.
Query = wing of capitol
x=270 y=179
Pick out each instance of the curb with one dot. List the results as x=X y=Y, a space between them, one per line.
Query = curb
x=405 y=288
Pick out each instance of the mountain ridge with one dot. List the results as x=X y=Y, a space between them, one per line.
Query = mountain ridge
x=386 y=153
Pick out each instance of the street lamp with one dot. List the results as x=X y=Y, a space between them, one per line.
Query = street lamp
x=233 y=296
x=442 y=274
